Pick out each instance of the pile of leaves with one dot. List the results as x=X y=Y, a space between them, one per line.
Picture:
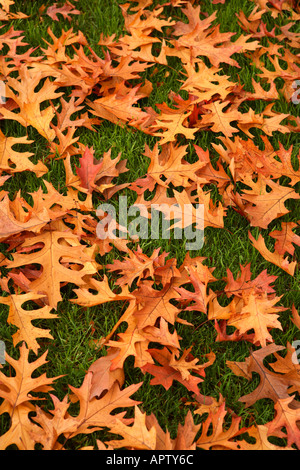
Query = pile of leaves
x=49 y=239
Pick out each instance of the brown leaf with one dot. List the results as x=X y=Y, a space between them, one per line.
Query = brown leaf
x=22 y=319
x=58 y=249
x=272 y=385
x=29 y=102
x=17 y=393
x=219 y=439
x=273 y=257
x=66 y=10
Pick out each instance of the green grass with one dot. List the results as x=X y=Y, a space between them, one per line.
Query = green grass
x=71 y=352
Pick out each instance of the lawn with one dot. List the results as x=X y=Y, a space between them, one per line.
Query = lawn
x=107 y=341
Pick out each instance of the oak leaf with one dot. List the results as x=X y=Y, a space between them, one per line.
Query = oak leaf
x=103 y=293
x=266 y=205
x=119 y=107
x=260 y=433
x=272 y=385
x=199 y=297
x=10 y=224
x=208 y=42
x=186 y=213
x=58 y=249
x=285 y=238
x=136 y=267
x=218 y=119
x=153 y=303
x=29 y=102
x=22 y=318
x=137 y=436
x=258 y=313
x=261 y=284
x=66 y=10
x=13 y=162
x=168 y=166
x=17 y=393
x=173 y=122
x=287 y=417
x=208 y=172
x=273 y=257
x=130 y=343
x=219 y=439
x=103 y=377
x=88 y=170
x=180 y=370
x=94 y=414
